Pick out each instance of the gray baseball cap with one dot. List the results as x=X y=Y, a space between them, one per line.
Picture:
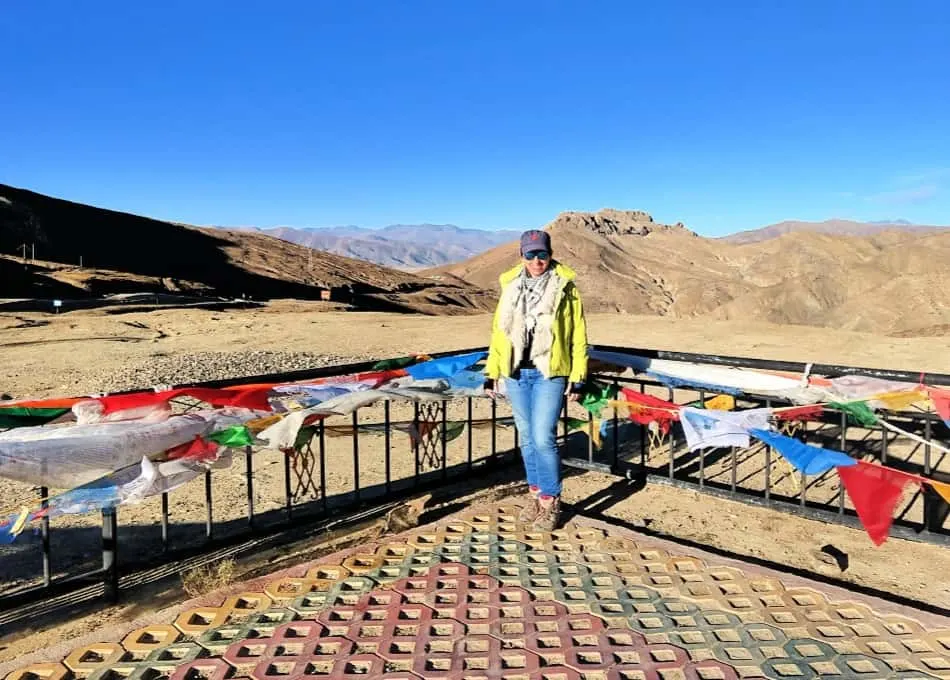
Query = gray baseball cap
x=535 y=239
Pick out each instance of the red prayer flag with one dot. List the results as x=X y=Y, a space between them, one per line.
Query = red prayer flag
x=941 y=400
x=811 y=412
x=252 y=397
x=874 y=490
x=198 y=449
x=650 y=409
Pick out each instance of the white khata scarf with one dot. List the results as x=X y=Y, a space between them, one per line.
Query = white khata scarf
x=527 y=316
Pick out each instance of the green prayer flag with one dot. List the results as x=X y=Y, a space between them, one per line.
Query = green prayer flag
x=454 y=429
x=24 y=416
x=392 y=364
x=304 y=435
x=596 y=396
x=859 y=413
x=575 y=424
x=234 y=436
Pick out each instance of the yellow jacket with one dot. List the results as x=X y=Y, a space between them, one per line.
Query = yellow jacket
x=569 y=346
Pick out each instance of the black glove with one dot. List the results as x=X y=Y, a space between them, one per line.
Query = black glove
x=489 y=384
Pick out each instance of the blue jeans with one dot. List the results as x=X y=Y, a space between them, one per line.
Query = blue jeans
x=537 y=402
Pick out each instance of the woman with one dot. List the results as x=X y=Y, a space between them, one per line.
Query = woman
x=539 y=347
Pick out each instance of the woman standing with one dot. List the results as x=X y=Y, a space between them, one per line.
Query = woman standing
x=539 y=347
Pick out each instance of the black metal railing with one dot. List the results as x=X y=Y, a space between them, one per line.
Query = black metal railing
x=760 y=476
x=340 y=469
x=360 y=469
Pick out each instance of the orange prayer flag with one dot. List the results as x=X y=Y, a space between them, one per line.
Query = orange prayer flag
x=942 y=488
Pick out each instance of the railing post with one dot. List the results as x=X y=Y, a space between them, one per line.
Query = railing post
x=322 y=448
x=249 y=476
x=44 y=527
x=616 y=426
x=288 y=493
x=356 y=452
x=164 y=521
x=468 y=416
x=387 y=444
x=494 y=432
x=844 y=447
x=417 y=435
x=445 y=423
x=110 y=545
x=209 y=507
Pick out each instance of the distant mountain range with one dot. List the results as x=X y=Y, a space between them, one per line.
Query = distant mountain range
x=413 y=247
x=881 y=277
x=834 y=227
x=401 y=246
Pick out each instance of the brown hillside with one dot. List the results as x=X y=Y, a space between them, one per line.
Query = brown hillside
x=128 y=253
x=885 y=282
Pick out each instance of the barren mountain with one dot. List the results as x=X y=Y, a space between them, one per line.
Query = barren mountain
x=127 y=253
x=402 y=246
x=835 y=227
x=886 y=282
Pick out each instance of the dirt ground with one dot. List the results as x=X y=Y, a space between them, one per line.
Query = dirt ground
x=47 y=355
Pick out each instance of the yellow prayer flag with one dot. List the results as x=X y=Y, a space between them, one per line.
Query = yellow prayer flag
x=20 y=521
x=622 y=407
x=721 y=402
x=594 y=431
x=896 y=401
x=261 y=424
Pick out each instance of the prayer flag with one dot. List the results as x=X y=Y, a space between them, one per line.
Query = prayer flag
x=715 y=429
x=941 y=488
x=645 y=409
x=27 y=416
x=859 y=412
x=595 y=397
x=234 y=436
x=197 y=449
x=897 y=401
x=941 y=400
x=874 y=490
x=444 y=367
x=399 y=362
x=799 y=413
x=812 y=460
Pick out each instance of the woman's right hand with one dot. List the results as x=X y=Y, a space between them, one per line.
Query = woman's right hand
x=489 y=387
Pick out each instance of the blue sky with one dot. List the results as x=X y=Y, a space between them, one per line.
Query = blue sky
x=497 y=114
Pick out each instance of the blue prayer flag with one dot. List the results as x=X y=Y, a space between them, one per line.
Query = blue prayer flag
x=444 y=367
x=812 y=460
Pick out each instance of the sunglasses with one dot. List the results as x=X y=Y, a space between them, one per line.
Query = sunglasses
x=542 y=255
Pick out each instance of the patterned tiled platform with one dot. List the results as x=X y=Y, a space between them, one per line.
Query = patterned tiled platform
x=479 y=596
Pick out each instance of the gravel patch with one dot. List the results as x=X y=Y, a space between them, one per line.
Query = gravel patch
x=162 y=369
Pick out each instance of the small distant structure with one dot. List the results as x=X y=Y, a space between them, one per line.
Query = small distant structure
x=325 y=294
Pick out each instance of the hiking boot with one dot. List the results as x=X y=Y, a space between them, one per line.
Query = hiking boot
x=531 y=508
x=549 y=514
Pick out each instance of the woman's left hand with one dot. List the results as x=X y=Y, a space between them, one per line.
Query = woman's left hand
x=573 y=392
